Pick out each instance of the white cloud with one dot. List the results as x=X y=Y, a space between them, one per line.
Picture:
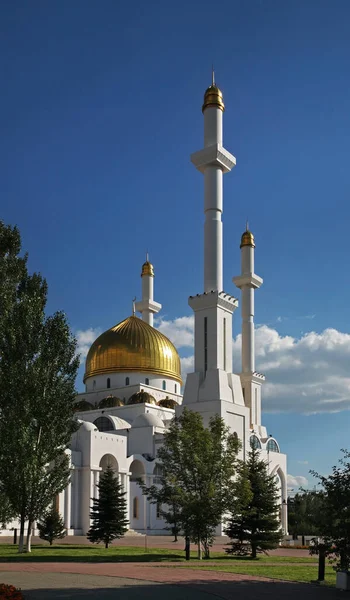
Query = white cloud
x=180 y=331
x=294 y=482
x=307 y=374
x=187 y=366
x=85 y=338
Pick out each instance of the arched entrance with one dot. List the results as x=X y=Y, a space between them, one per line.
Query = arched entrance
x=137 y=500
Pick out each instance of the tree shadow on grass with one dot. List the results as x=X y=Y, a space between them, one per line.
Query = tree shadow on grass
x=112 y=588
x=103 y=557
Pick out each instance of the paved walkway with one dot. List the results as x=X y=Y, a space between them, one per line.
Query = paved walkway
x=41 y=581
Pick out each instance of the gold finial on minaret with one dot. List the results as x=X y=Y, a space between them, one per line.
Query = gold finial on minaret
x=247 y=238
x=133 y=306
x=147 y=267
x=213 y=96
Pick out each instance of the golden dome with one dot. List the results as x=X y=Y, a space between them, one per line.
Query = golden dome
x=110 y=402
x=147 y=269
x=142 y=398
x=247 y=239
x=213 y=97
x=167 y=403
x=133 y=345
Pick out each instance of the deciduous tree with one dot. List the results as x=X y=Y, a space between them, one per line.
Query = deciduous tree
x=333 y=521
x=198 y=467
x=38 y=367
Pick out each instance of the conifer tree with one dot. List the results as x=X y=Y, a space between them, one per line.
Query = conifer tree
x=108 y=512
x=38 y=367
x=254 y=526
x=51 y=526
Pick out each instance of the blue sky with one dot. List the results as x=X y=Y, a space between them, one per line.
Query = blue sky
x=100 y=110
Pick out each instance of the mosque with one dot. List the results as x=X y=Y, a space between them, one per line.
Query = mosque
x=133 y=384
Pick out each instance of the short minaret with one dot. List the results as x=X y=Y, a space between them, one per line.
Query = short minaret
x=213 y=309
x=147 y=306
x=248 y=282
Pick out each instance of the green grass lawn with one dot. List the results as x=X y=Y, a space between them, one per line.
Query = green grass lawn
x=290 y=568
x=293 y=572
x=97 y=553
x=80 y=553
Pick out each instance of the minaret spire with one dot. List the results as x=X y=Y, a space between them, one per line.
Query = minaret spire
x=213 y=309
x=147 y=306
x=248 y=282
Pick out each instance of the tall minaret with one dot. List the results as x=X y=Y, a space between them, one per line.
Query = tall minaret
x=213 y=309
x=248 y=282
x=147 y=306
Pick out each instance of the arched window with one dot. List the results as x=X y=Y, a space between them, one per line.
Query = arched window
x=104 y=424
x=157 y=473
x=108 y=382
x=272 y=446
x=255 y=442
x=147 y=381
x=127 y=380
x=164 y=385
x=175 y=388
x=135 y=508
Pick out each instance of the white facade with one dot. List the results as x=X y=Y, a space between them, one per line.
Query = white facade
x=128 y=437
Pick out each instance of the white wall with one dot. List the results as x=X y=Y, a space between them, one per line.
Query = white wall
x=118 y=380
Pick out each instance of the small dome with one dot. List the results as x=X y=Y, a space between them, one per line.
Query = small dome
x=110 y=402
x=247 y=239
x=133 y=346
x=142 y=398
x=147 y=269
x=167 y=403
x=148 y=420
x=82 y=406
x=213 y=97
x=87 y=426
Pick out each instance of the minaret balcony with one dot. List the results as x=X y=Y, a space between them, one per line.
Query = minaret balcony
x=250 y=280
x=151 y=305
x=213 y=299
x=214 y=155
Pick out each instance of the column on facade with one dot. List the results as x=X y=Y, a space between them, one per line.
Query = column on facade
x=67 y=506
x=96 y=481
x=75 y=500
x=125 y=481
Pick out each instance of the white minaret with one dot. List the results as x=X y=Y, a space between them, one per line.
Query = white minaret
x=213 y=309
x=147 y=306
x=248 y=282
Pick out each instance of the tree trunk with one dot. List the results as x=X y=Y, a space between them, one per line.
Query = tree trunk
x=51 y=542
x=199 y=550
x=21 y=535
x=29 y=537
x=206 y=549
x=187 y=548
x=253 y=554
x=106 y=545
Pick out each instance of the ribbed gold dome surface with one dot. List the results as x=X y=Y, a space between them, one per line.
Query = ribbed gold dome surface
x=133 y=345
